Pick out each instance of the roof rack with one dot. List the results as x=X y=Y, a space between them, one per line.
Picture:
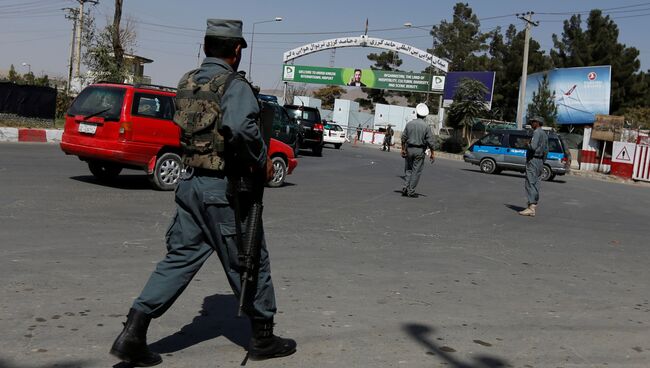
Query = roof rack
x=154 y=86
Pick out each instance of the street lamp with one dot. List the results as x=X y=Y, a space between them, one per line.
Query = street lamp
x=29 y=66
x=250 y=56
x=433 y=44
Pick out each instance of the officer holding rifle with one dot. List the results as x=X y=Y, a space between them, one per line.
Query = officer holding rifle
x=218 y=201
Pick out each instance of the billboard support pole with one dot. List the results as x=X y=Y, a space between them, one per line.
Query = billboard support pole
x=524 y=70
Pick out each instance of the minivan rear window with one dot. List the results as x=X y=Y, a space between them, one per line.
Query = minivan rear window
x=105 y=102
x=554 y=145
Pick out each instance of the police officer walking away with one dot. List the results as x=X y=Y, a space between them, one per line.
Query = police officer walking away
x=218 y=113
x=535 y=156
x=416 y=138
x=388 y=138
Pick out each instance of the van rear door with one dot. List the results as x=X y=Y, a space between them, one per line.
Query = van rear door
x=96 y=113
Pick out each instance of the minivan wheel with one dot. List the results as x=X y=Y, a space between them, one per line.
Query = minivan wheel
x=488 y=166
x=104 y=171
x=547 y=173
x=167 y=171
x=337 y=145
x=279 y=172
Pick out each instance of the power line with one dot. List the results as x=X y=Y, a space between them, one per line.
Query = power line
x=587 y=11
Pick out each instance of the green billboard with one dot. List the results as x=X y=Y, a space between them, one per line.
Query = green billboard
x=380 y=79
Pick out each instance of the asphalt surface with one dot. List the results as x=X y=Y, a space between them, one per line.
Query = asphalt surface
x=363 y=276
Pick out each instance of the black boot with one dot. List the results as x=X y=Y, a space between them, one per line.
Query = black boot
x=131 y=345
x=265 y=345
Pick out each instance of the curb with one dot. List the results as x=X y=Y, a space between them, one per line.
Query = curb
x=30 y=135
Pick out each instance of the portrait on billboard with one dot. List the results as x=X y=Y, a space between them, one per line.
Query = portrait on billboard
x=355 y=80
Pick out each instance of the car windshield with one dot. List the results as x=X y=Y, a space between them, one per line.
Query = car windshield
x=95 y=99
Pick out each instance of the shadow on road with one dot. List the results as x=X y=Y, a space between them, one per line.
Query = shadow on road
x=130 y=182
x=420 y=333
x=216 y=318
x=60 y=364
x=515 y=208
x=512 y=174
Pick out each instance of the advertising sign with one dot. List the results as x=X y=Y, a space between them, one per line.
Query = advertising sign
x=453 y=81
x=608 y=128
x=380 y=79
x=580 y=93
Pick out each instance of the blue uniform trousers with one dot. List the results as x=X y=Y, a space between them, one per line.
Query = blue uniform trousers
x=204 y=223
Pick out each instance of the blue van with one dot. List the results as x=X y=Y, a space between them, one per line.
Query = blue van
x=502 y=150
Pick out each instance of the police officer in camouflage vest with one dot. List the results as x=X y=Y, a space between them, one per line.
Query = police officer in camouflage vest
x=218 y=113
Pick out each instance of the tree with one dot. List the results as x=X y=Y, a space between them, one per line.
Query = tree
x=598 y=45
x=43 y=81
x=29 y=79
x=100 y=57
x=116 y=40
x=295 y=90
x=637 y=117
x=13 y=76
x=506 y=57
x=328 y=94
x=460 y=41
x=468 y=106
x=543 y=103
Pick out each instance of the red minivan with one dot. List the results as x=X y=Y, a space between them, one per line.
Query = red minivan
x=115 y=126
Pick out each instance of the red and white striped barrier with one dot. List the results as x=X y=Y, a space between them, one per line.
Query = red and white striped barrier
x=641 y=163
x=30 y=135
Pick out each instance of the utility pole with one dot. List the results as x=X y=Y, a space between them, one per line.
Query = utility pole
x=72 y=15
x=526 y=17
x=80 y=26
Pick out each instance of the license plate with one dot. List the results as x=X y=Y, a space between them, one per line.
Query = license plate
x=87 y=128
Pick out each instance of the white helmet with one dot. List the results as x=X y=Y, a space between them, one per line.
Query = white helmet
x=422 y=109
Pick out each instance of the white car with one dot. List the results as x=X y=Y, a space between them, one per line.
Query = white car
x=333 y=134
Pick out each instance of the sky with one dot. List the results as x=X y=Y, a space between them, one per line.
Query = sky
x=36 y=32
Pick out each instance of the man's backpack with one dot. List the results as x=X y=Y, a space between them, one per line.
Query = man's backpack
x=200 y=116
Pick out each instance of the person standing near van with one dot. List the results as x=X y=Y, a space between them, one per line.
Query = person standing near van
x=416 y=138
x=535 y=156
x=222 y=103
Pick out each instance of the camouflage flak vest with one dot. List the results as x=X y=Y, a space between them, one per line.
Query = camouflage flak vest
x=200 y=117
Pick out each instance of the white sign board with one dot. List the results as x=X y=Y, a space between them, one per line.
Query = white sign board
x=623 y=152
x=438 y=83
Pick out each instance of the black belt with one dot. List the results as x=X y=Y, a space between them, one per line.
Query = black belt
x=416 y=145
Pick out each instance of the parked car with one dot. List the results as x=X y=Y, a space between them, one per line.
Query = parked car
x=506 y=150
x=115 y=126
x=311 y=127
x=283 y=160
x=333 y=134
x=284 y=128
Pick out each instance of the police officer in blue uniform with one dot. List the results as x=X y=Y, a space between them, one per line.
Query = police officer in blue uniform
x=204 y=222
x=535 y=156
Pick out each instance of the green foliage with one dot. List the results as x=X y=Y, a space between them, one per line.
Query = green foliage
x=328 y=94
x=598 y=45
x=13 y=76
x=506 y=57
x=468 y=106
x=543 y=103
x=100 y=60
x=460 y=40
x=637 y=117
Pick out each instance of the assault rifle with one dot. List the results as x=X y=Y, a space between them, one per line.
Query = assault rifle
x=249 y=247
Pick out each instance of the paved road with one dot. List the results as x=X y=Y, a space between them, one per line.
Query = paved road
x=364 y=277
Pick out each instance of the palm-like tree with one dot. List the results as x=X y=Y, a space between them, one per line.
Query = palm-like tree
x=469 y=104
